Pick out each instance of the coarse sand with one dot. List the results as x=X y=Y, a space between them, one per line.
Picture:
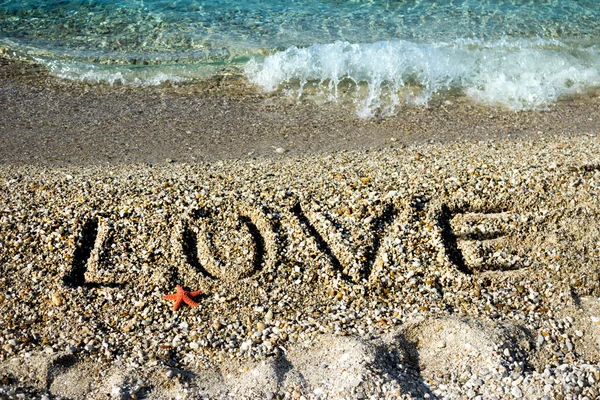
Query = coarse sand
x=458 y=270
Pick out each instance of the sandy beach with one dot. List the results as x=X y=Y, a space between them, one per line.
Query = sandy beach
x=438 y=254
x=52 y=122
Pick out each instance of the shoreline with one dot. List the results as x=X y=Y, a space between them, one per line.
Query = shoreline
x=50 y=122
x=447 y=270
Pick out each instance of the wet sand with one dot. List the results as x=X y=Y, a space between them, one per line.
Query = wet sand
x=46 y=121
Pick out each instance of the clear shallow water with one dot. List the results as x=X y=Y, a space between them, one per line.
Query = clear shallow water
x=382 y=54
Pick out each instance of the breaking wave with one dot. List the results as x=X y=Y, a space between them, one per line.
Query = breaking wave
x=519 y=74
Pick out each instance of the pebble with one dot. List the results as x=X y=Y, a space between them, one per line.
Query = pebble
x=516 y=392
x=269 y=317
x=57 y=299
x=569 y=346
x=540 y=340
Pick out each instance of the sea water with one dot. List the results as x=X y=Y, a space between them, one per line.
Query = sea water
x=382 y=54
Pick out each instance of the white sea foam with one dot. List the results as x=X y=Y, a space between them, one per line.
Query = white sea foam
x=120 y=74
x=380 y=77
x=518 y=74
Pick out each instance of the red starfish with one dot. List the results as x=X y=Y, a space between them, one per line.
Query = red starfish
x=182 y=296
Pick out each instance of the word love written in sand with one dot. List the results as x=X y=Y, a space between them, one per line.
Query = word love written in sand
x=237 y=241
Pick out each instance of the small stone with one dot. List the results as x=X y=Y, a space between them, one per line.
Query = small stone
x=279 y=150
x=269 y=317
x=170 y=374
x=260 y=326
x=579 y=333
x=57 y=299
x=217 y=325
x=569 y=346
x=540 y=340
x=194 y=345
x=246 y=345
x=516 y=392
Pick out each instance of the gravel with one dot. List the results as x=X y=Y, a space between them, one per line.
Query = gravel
x=436 y=271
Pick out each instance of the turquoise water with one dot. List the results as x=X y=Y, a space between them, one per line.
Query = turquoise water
x=383 y=54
